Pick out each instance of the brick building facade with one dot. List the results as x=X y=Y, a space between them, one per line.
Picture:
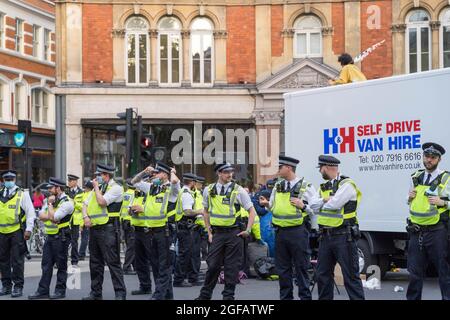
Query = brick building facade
x=27 y=76
x=224 y=62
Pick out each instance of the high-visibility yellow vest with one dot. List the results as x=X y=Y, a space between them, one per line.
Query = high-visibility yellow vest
x=335 y=218
x=179 y=206
x=128 y=198
x=420 y=210
x=10 y=213
x=155 y=209
x=198 y=205
x=284 y=214
x=138 y=201
x=100 y=215
x=51 y=228
x=77 y=216
x=222 y=212
x=256 y=227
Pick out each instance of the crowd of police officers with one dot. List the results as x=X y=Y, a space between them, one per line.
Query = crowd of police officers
x=158 y=213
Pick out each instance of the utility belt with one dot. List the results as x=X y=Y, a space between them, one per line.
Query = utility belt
x=349 y=228
x=61 y=234
x=152 y=229
x=186 y=220
x=111 y=221
x=415 y=228
x=278 y=228
x=224 y=229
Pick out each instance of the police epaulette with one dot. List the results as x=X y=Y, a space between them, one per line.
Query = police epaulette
x=418 y=172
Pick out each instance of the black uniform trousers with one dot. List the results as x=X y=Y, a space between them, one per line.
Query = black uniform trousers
x=337 y=248
x=184 y=258
x=291 y=250
x=55 y=251
x=196 y=261
x=128 y=234
x=143 y=258
x=84 y=242
x=75 y=235
x=162 y=265
x=434 y=249
x=12 y=259
x=104 y=248
x=225 y=250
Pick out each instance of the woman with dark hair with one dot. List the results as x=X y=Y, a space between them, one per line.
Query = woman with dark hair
x=349 y=73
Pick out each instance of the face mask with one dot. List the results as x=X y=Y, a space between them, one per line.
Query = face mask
x=99 y=179
x=10 y=184
x=156 y=181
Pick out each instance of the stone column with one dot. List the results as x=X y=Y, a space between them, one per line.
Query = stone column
x=435 y=25
x=398 y=48
x=185 y=47
x=327 y=43
x=220 y=57
x=288 y=36
x=119 y=54
x=153 y=34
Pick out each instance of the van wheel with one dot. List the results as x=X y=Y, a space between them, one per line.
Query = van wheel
x=366 y=259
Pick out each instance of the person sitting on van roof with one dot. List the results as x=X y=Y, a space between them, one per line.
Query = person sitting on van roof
x=349 y=73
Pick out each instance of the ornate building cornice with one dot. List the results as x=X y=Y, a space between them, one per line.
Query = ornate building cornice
x=398 y=27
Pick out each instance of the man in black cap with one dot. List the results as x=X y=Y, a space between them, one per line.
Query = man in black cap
x=336 y=205
x=101 y=213
x=16 y=207
x=88 y=187
x=76 y=194
x=56 y=217
x=185 y=218
x=289 y=204
x=221 y=202
x=151 y=224
x=428 y=202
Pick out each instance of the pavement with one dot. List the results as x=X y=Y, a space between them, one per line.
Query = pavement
x=253 y=289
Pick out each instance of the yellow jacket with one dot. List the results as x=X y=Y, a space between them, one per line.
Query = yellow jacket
x=350 y=73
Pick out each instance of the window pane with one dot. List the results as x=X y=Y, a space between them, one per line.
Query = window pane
x=424 y=39
x=131 y=59
x=136 y=24
x=446 y=38
x=175 y=47
x=164 y=72
x=446 y=59
x=142 y=58
x=175 y=70
x=425 y=61
x=196 y=71
x=36 y=105
x=207 y=71
x=413 y=63
x=201 y=24
x=412 y=41
x=45 y=108
x=301 y=43
x=163 y=46
x=170 y=23
x=314 y=46
x=419 y=16
x=142 y=46
x=207 y=46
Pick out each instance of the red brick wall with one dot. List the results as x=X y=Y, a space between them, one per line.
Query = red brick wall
x=14 y=62
x=10 y=21
x=41 y=5
x=28 y=28
x=337 y=20
x=241 y=44
x=97 y=43
x=276 y=28
x=379 y=63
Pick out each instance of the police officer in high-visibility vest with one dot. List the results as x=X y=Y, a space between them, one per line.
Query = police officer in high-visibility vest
x=15 y=207
x=185 y=218
x=56 y=216
x=101 y=213
x=151 y=224
x=199 y=233
x=224 y=233
x=84 y=231
x=289 y=203
x=428 y=222
x=127 y=228
x=76 y=194
x=336 y=205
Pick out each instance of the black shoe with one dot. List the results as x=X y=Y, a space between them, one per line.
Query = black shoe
x=121 y=297
x=129 y=272
x=58 y=295
x=75 y=263
x=17 y=292
x=5 y=291
x=196 y=283
x=38 y=295
x=184 y=284
x=92 y=297
x=28 y=256
x=228 y=298
x=81 y=259
x=202 y=298
x=141 y=291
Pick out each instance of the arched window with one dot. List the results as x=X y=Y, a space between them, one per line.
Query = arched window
x=20 y=102
x=169 y=34
x=201 y=51
x=308 y=37
x=137 y=51
x=418 y=41
x=445 y=38
x=2 y=98
x=40 y=105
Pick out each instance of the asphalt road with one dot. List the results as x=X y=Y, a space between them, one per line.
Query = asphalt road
x=253 y=289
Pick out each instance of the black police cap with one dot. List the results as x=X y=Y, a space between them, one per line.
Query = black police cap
x=433 y=149
x=104 y=168
x=287 y=161
x=328 y=161
x=162 y=167
x=9 y=174
x=224 y=166
x=72 y=177
x=200 y=179
x=189 y=176
x=89 y=184
x=55 y=182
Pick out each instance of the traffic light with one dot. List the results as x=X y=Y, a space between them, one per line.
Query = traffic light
x=128 y=130
x=147 y=141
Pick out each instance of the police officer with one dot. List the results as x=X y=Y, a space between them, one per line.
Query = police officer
x=199 y=233
x=56 y=217
x=289 y=204
x=88 y=187
x=224 y=234
x=76 y=194
x=127 y=228
x=101 y=213
x=15 y=206
x=427 y=225
x=185 y=218
x=151 y=227
x=336 y=205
